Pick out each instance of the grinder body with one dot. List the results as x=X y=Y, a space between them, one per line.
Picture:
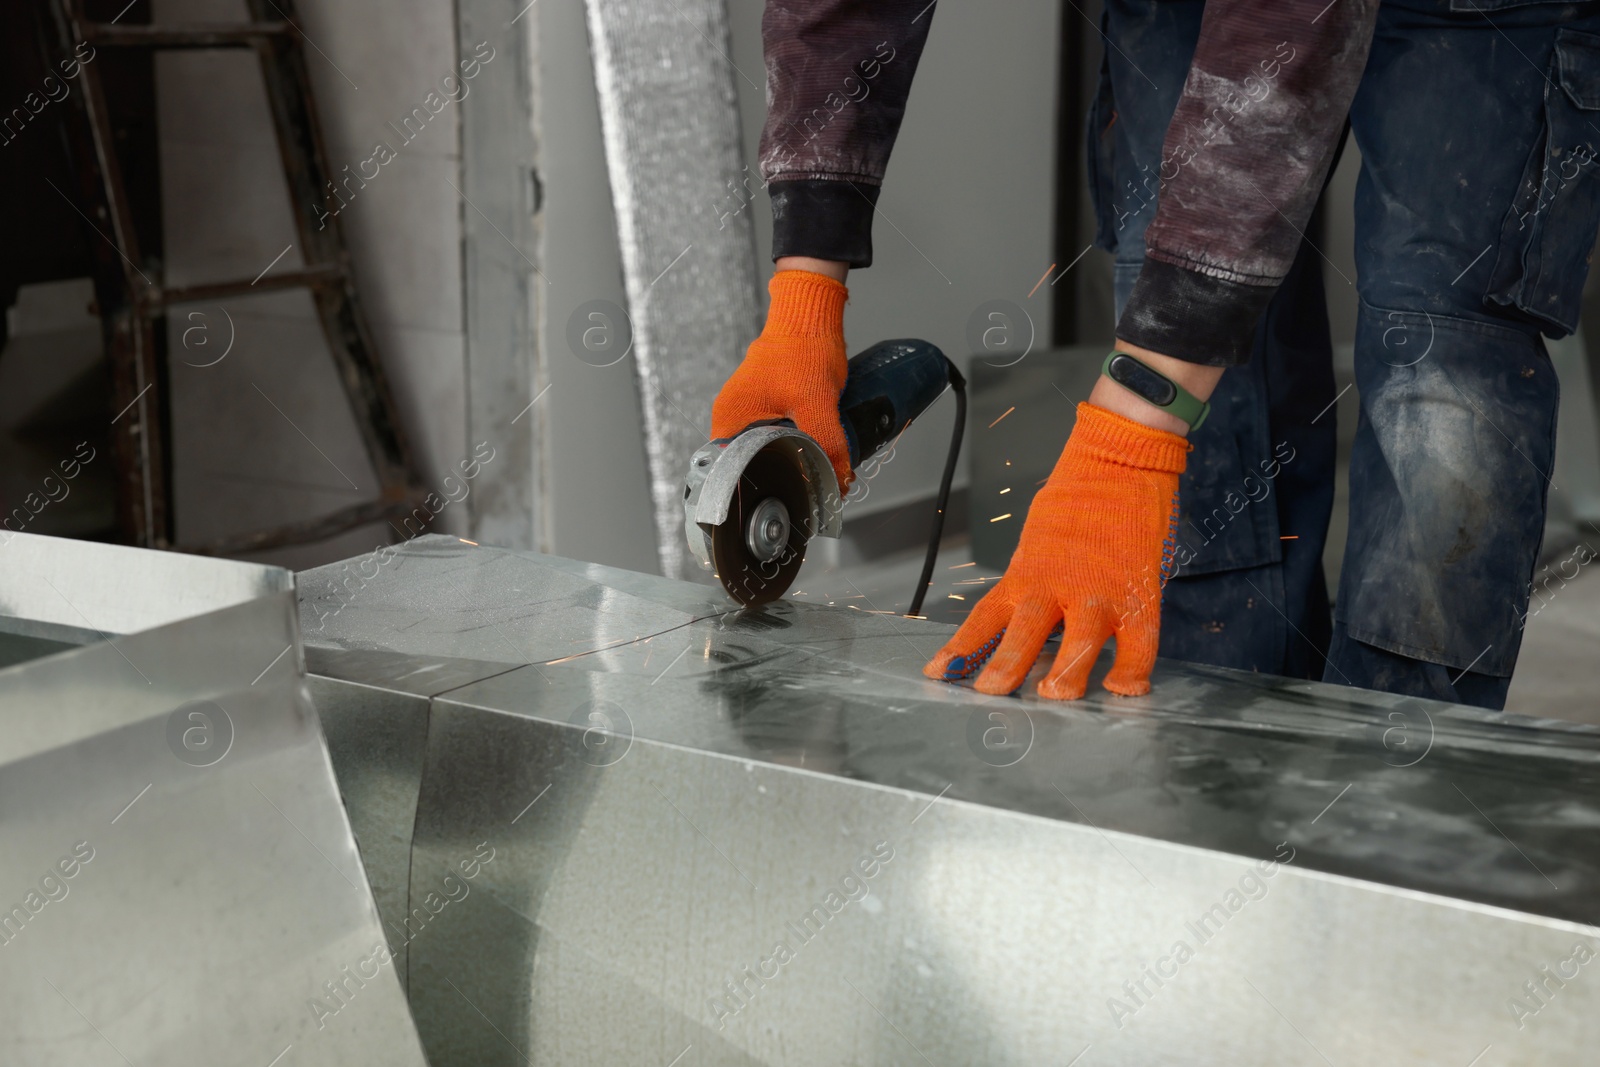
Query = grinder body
x=753 y=502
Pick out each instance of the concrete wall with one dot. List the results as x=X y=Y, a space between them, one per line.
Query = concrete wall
x=266 y=435
x=593 y=425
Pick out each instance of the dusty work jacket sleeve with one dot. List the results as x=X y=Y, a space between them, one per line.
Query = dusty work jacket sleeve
x=838 y=75
x=1242 y=166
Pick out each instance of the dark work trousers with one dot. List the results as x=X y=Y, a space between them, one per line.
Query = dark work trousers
x=1476 y=208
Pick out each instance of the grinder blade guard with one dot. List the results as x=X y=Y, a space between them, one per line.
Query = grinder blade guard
x=753 y=502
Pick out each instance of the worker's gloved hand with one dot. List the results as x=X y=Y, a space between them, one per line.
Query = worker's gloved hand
x=1091 y=558
x=796 y=369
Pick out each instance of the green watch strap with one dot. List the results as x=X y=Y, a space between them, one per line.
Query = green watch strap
x=1152 y=386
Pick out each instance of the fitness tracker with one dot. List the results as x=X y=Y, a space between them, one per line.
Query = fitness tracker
x=1151 y=385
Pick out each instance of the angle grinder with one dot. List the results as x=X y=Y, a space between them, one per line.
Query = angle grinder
x=753 y=502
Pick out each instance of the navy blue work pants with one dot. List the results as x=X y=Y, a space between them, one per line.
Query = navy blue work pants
x=1478 y=123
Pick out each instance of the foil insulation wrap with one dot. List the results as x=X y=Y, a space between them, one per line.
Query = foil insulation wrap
x=671 y=124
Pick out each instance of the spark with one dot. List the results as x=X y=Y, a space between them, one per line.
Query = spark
x=1042 y=277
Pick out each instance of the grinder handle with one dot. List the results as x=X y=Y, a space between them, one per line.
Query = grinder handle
x=889 y=384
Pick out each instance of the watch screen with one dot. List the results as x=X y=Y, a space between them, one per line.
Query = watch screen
x=1129 y=372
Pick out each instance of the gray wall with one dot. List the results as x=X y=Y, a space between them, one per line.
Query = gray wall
x=242 y=463
x=592 y=425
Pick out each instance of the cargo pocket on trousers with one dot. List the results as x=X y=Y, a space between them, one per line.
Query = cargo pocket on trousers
x=1549 y=231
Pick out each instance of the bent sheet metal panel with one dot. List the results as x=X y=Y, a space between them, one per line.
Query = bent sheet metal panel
x=376 y=740
x=1044 y=854
x=217 y=887
x=385 y=633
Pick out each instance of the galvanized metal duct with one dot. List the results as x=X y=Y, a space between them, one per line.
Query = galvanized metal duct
x=671 y=790
x=671 y=124
x=178 y=880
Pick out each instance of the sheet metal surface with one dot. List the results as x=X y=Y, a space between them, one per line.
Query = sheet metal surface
x=178 y=879
x=376 y=741
x=671 y=124
x=104 y=591
x=665 y=800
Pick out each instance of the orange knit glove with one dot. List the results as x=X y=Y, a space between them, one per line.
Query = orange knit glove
x=796 y=369
x=1092 y=558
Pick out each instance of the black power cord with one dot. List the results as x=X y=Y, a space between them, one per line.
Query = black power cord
x=959 y=384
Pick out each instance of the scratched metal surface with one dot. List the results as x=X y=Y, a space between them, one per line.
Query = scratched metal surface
x=665 y=785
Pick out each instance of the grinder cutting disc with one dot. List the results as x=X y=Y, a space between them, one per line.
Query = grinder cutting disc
x=758 y=549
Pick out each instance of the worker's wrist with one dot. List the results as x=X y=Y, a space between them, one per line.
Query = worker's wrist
x=830 y=268
x=1196 y=378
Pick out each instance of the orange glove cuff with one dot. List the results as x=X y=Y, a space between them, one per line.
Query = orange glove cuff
x=1111 y=438
x=805 y=305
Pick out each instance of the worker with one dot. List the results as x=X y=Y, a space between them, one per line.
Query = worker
x=1475 y=213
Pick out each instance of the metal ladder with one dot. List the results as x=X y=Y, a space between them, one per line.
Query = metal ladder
x=131 y=302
